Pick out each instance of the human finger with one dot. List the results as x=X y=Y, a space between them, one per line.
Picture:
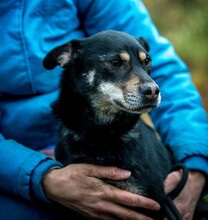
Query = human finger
x=172 y=180
x=108 y=172
x=130 y=199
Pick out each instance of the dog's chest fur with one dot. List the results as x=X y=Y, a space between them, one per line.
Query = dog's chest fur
x=137 y=150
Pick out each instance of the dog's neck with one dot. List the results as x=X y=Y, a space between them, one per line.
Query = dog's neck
x=79 y=116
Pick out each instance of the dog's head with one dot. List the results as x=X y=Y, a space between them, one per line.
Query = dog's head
x=110 y=69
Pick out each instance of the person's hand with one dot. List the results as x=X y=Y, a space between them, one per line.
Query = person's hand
x=80 y=188
x=187 y=200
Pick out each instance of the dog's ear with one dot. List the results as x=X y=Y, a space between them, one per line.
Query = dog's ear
x=61 y=55
x=144 y=43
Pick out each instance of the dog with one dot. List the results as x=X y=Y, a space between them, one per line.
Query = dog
x=104 y=89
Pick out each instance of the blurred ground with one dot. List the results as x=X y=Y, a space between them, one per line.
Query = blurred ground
x=185 y=24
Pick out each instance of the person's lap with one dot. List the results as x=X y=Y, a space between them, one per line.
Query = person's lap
x=12 y=207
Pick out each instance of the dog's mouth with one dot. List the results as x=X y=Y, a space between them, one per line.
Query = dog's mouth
x=137 y=109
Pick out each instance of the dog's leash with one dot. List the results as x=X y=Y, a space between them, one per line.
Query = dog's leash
x=171 y=211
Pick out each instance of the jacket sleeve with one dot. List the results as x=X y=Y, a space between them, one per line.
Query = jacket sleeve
x=22 y=175
x=180 y=119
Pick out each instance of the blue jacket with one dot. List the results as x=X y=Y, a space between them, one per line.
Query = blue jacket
x=29 y=29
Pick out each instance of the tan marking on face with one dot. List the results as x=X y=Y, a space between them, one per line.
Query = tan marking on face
x=133 y=82
x=142 y=56
x=125 y=56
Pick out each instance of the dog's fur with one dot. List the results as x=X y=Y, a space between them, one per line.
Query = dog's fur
x=105 y=87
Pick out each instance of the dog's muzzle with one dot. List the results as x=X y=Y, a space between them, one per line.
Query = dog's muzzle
x=141 y=99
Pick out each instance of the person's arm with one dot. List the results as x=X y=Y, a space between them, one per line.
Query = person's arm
x=22 y=170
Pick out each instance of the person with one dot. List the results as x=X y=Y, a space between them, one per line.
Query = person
x=33 y=184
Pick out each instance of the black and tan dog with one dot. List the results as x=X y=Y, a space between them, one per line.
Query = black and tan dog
x=105 y=87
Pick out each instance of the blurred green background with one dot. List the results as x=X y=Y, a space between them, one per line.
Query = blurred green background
x=185 y=25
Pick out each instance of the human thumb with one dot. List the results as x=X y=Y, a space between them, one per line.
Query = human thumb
x=172 y=180
x=108 y=172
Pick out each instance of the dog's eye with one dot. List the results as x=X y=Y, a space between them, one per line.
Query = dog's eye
x=116 y=63
x=147 y=61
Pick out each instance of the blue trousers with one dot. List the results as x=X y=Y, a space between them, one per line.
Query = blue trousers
x=15 y=208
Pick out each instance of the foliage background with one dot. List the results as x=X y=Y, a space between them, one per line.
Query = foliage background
x=185 y=25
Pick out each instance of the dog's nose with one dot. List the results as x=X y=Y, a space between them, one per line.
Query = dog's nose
x=150 y=90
